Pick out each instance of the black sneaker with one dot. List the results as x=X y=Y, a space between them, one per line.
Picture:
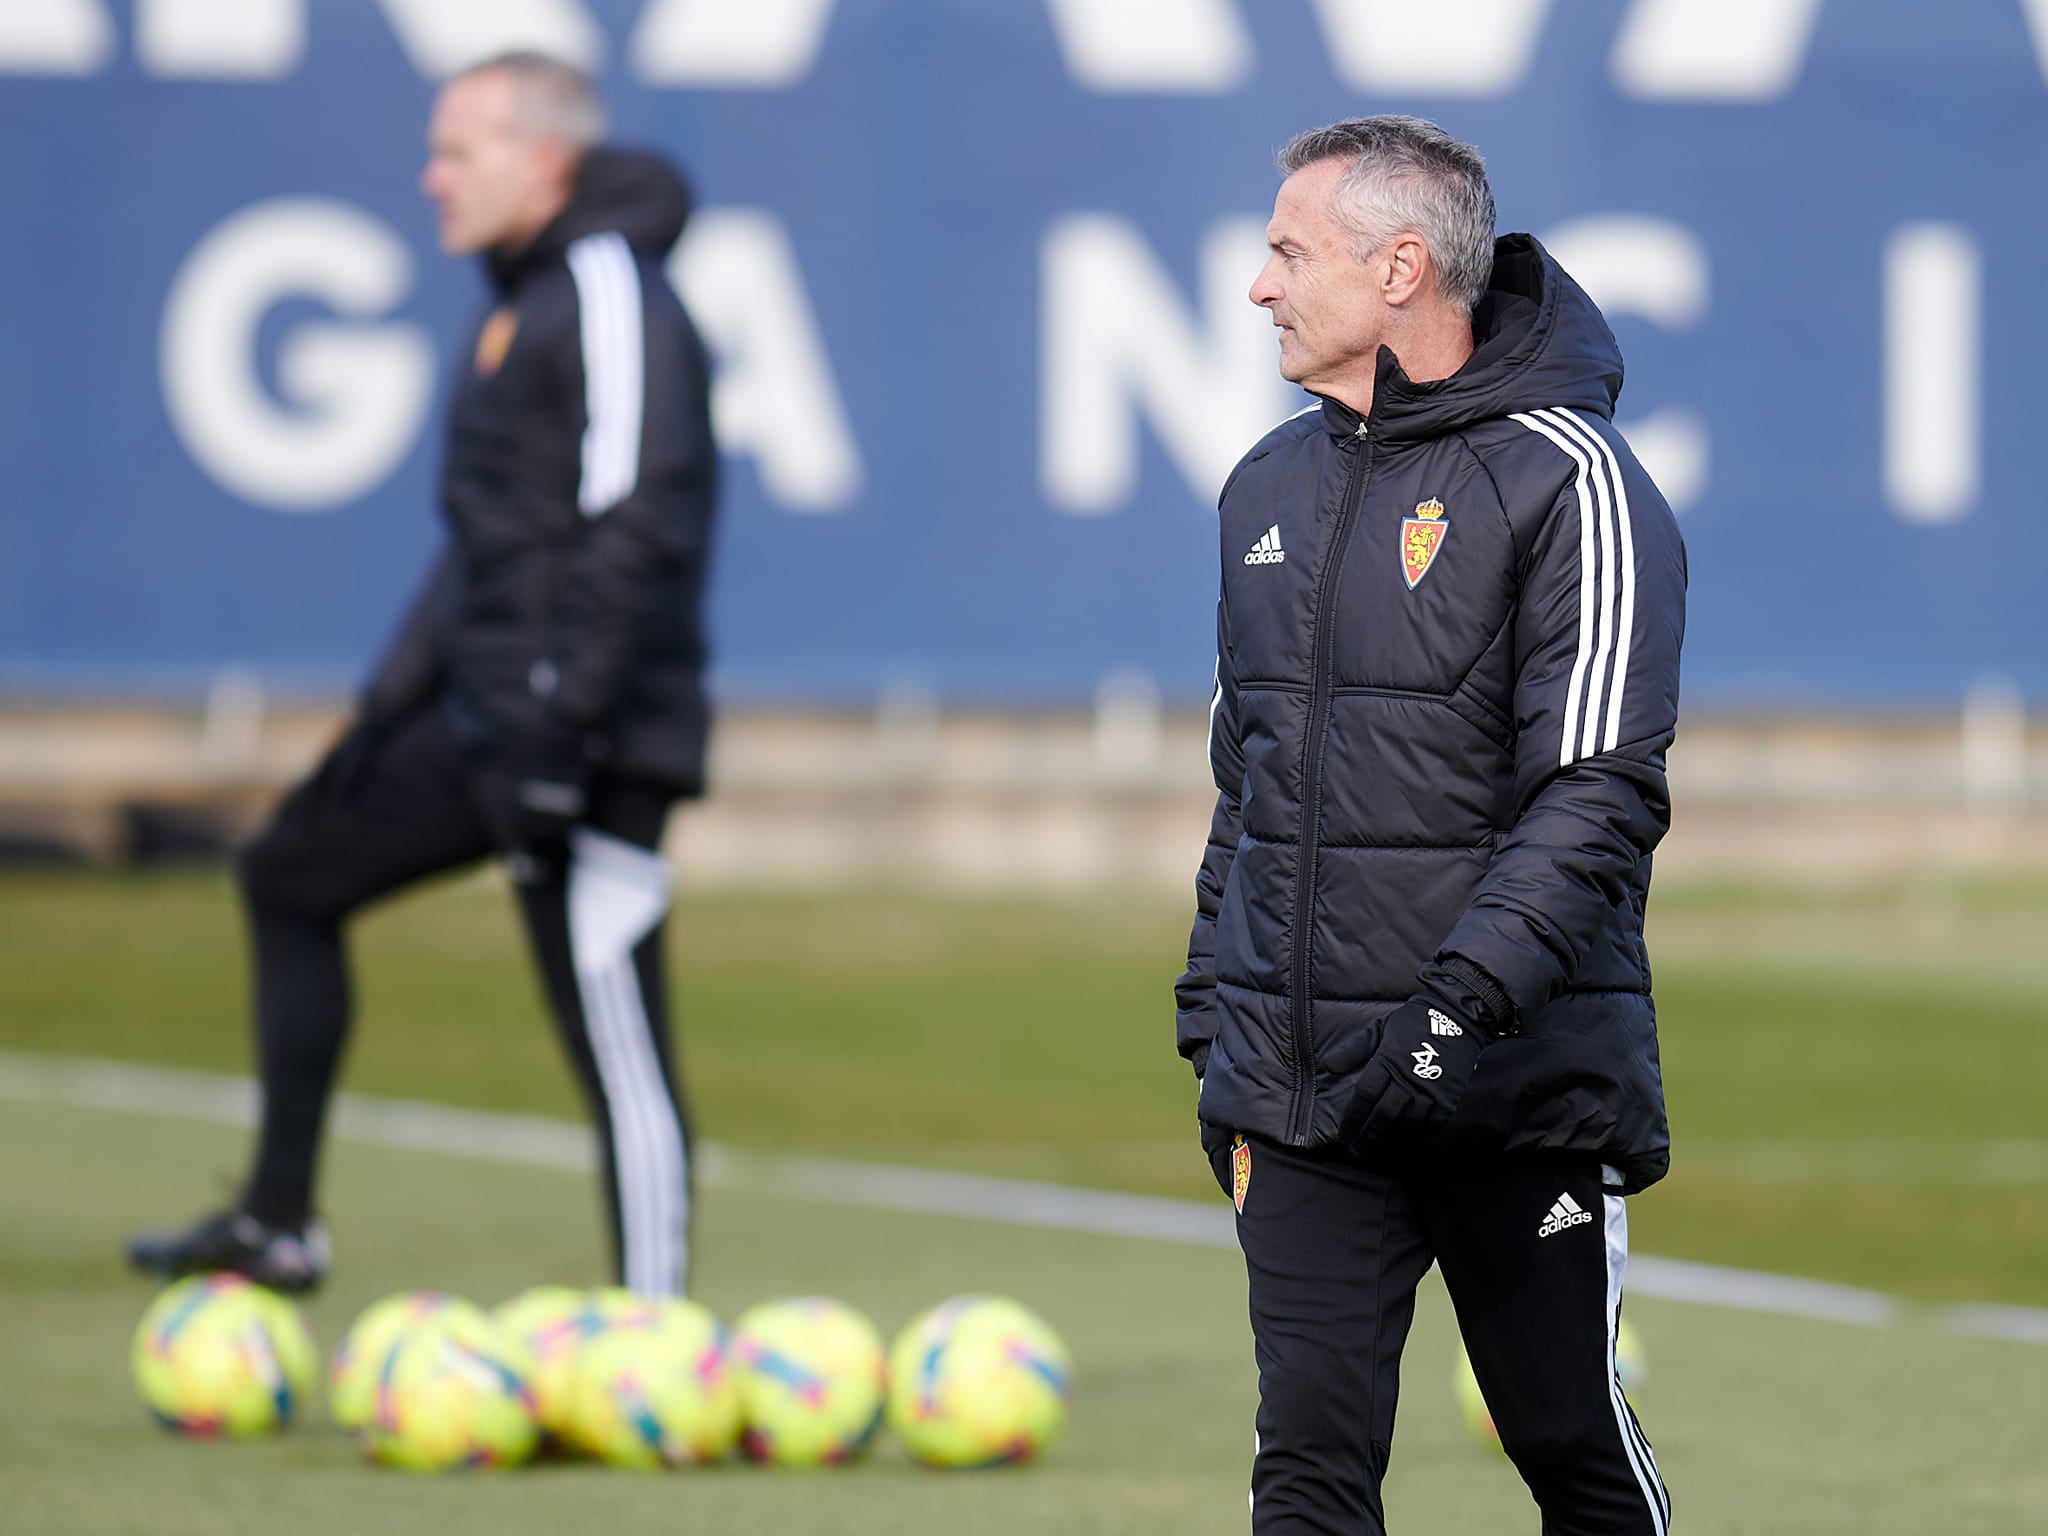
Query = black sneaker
x=280 y=1257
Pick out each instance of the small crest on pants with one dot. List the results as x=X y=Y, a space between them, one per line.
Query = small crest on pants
x=1240 y=1172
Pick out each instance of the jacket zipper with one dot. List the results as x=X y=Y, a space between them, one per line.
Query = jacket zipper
x=1302 y=1109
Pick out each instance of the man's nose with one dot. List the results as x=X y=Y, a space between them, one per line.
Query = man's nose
x=1264 y=291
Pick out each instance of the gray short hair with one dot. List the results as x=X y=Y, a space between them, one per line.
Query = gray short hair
x=1407 y=174
x=550 y=99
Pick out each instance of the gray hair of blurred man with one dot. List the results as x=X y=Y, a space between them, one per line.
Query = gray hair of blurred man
x=1408 y=175
x=550 y=99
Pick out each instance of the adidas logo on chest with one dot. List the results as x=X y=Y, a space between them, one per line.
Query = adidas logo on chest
x=1267 y=551
x=1564 y=1212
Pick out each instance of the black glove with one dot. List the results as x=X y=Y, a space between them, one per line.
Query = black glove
x=537 y=790
x=1415 y=1080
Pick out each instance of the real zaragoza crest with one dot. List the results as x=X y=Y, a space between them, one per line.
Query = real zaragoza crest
x=1240 y=1172
x=1421 y=537
x=495 y=340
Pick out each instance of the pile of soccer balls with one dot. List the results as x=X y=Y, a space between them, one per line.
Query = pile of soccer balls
x=432 y=1382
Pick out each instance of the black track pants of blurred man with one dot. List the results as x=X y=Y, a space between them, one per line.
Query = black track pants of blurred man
x=373 y=820
x=1532 y=1251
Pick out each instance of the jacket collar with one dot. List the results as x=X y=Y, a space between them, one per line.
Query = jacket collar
x=1539 y=342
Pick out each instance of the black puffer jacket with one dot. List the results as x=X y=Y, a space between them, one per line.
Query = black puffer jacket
x=578 y=491
x=1447 y=678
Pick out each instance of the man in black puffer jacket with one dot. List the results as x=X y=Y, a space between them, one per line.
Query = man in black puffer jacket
x=1417 y=996
x=545 y=698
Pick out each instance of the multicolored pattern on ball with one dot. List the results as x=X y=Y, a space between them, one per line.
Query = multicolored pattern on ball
x=1631 y=1365
x=215 y=1355
x=812 y=1378
x=542 y=1313
x=654 y=1389
x=453 y=1391
x=978 y=1381
x=297 y=1355
x=553 y=1321
x=358 y=1358
x=603 y=1308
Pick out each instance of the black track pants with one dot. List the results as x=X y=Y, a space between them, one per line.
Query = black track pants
x=371 y=821
x=1532 y=1251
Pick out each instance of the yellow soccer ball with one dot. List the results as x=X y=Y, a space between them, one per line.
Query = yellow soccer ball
x=652 y=1388
x=452 y=1390
x=552 y=1321
x=1472 y=1409
x=352 y=1377
x=215 y=1355
x=606 y=1306
x=978 y=1381
x=1630 y=1364
x=811 y=1377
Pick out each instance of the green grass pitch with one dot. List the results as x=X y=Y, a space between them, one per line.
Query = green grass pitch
x=1858 y=1084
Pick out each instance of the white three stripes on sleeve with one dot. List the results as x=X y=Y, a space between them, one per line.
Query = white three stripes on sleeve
x=614 y=368
x=1607 y=585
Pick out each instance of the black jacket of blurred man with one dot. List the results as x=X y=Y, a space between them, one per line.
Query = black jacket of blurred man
x=545 y=697
x=1417 y=994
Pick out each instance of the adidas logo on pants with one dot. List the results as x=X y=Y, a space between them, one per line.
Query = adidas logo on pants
x=1566 y=1212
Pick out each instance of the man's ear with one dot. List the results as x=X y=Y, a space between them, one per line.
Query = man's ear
x=1406 y=270
x=560 y=162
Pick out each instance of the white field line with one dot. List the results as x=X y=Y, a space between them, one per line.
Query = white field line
x=538 y=1141
x=2009 y=1162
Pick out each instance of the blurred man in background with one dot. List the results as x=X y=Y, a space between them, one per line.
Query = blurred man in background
x=544 y=699
x=1417 y=996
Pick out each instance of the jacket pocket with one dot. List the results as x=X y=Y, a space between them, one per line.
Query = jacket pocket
x=1216 y=1142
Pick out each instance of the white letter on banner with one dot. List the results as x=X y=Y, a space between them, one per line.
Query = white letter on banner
x=220 y=39
x=1448 y=48
x=357 y=394
x=1632 y=264
x=774 y=396
x=1198 y=47
x=1933 y=371
x=54 y=37
x=442 y=36
x=1117 y=341
x=761 y=45
x=1713 y=50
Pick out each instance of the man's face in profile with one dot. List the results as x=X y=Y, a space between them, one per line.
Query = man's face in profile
x=485 y=175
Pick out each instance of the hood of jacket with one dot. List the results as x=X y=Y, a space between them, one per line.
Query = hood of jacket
x=1539 y=341
x=635 y=192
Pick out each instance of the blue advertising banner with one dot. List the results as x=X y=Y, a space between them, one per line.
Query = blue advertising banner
x=974 y=274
